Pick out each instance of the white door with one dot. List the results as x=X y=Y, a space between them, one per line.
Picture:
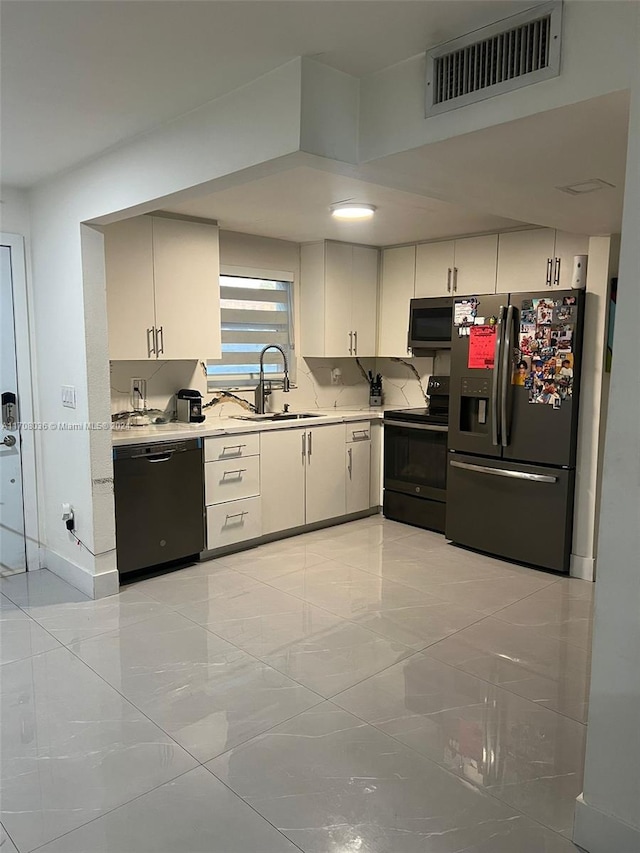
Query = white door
x=525 y=260
x=434 y=269
x=12 y=538
x=476 y=261
x=364 y=296
x=338 y=339
x=282 y=464
x=326 y=475
x=397 y=289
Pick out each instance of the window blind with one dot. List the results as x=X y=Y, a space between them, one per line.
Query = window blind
x=254 y=312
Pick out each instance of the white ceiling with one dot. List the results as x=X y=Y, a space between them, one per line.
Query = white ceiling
x=294 y=205
x=79 y=77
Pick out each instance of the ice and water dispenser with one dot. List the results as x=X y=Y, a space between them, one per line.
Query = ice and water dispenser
x=475 y=394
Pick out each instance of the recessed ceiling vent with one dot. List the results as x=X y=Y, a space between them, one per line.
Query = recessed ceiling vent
x=511 y=53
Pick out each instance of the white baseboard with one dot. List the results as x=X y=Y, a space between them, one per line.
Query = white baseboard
x=582 y=567
x=95 y=586
x=598 y=832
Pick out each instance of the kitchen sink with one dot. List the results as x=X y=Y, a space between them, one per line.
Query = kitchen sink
x=277 y=416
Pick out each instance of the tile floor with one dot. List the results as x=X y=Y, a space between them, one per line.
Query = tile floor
x=362 y=689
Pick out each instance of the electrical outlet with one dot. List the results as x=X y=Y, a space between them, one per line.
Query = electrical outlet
x=138 y=393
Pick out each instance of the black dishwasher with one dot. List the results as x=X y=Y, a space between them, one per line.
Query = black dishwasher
x=159 y=503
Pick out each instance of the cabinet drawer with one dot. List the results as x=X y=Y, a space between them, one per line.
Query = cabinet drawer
x=359 y=431
x=231 y=446
x=231 y=480
x=235 y=521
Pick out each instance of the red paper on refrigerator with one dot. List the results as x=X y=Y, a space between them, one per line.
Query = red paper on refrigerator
x=482 y=347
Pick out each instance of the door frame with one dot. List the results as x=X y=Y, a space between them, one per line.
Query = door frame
x=22 y=322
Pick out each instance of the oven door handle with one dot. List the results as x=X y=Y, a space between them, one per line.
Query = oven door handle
x=407 y=425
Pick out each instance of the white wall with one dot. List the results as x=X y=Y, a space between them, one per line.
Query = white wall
x=597 y=52
x=608 y=814
x=258 y=122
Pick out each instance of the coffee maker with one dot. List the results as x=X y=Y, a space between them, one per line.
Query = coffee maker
x=189 y=406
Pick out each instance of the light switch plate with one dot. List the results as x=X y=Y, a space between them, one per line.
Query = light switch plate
x=69 y=396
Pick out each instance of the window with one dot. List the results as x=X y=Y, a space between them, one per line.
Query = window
x=254 y=312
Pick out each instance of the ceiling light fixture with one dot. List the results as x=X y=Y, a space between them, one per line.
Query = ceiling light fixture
x=352 y=210
x=583 y=187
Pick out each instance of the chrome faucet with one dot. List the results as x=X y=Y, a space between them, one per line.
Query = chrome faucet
x=264 y=386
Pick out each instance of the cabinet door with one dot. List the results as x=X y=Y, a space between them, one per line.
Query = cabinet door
x=312 y=300
x=567 y=245
x=397 y=288
x=358 y=460
x=129 y=274
x=282 y=469
x=338 y=339
x=434 y=269
x=364 y=299
x=326 y=475
x=187 y=289
x=475 y=265
x=523 y=259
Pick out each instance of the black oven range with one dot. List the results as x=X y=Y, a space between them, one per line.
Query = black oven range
x=415 y=460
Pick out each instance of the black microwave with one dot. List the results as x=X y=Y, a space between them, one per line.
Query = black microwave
x=430 y=323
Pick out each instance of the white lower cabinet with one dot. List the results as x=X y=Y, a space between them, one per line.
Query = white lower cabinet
x=233 y=521
x=303 y=476
x=282 y=479
x=358 y=460
x=326 y=476
x=232 y=490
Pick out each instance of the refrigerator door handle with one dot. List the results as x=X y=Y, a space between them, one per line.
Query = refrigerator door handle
x=495 y=414
x=502 y=472
x=505 y=377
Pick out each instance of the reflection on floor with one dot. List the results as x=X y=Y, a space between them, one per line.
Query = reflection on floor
x=362 y=689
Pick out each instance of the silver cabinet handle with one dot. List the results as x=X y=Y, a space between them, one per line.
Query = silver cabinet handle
x=549 y=269
x=151 y=346
x=350 y=465
x=310 y=445
x=455 y=279
x=449 y=280
x=503 y=472
x=238 y=471
x=304 y=446
x=363 y=432
x=355 y=343
x=350 y=343
x=159 y=341
x=505 y=379
x=234 y=447
x=9 y=440
x=556 y=277
x=495 y=389
x=239 y=515
x=407 y=425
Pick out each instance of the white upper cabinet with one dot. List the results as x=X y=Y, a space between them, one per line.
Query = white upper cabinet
x=397 y=288
x=434 y=269
x=187 y=289
x=128 y=251
x=338 y=299
x=538 y=258
x=457 y=267
x=475 y=265
x=163 y=289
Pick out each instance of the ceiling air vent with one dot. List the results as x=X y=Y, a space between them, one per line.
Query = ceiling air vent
x=511 y=53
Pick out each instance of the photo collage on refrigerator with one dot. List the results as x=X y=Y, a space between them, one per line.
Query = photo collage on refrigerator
x=545 y=358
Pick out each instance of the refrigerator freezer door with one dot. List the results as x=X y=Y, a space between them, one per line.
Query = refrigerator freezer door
x=538 y=432
x=474 y=391
x=520 y=512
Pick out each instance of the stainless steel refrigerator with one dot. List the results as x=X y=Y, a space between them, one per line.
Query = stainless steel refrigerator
x=515 y=387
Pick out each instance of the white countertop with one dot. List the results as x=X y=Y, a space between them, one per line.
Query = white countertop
x=216 y=425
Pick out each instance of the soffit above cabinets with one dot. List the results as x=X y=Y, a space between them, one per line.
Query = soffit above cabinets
x=294 y=205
